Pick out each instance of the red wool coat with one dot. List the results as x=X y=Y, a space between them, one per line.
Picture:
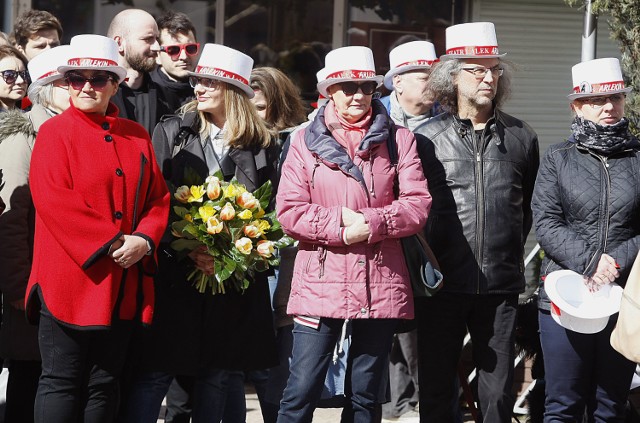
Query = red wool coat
x=86 y=172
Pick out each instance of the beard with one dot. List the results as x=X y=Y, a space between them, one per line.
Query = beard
x=141 y=63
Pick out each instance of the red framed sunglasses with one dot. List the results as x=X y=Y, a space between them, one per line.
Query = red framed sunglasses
x=174 y=50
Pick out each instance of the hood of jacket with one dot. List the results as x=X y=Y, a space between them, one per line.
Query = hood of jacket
x=15 y=122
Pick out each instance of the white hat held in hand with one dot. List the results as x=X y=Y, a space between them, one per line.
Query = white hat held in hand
x=94 y=52
x=353 y=63
x=225 y=64
x=575 y=308
x=414 y=55
x=475 y=40
x=599 y=77
x=43 y=68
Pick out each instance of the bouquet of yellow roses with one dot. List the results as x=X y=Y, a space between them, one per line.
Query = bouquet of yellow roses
x=233 y=226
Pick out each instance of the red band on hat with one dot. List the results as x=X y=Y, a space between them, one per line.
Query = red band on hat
x=605 y=87
x=220 y=73
x=555 y=310
x=352 y=74
x=474 y=51
x=91 y=62
x=417 y=63
x=52 y=73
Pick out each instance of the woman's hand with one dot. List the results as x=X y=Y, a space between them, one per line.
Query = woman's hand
x=132 y=250
x=349 y=217
x=203 y=260
x=606 y=272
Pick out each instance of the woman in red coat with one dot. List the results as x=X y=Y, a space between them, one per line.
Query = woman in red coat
x=101 y=208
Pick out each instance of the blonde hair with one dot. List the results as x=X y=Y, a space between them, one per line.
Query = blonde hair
x=243 y=127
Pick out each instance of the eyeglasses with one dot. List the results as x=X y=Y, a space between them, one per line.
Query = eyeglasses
x=208 y=83
x=350 y=88
x=77 y=82
x=174 y=50
x=10 y=76
x=598 y=102
x=480 y=72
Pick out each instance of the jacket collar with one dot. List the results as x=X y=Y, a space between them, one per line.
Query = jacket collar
x=494 y=126
x=321 y=143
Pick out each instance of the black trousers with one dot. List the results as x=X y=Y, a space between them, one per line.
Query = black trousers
x=80 y=372
x=443 y=321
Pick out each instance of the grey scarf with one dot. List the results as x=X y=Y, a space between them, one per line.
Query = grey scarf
x=603 y=139
x=403 y=118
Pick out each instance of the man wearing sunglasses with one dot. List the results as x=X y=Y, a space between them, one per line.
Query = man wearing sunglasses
x=139 y=98
x=481 y=164
x=178 y=55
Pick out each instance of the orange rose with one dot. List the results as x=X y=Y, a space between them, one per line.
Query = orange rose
x=213 y=187
x=227 y=212
x=182 y=194
x=247 y=200
x=251 y=231
x=265 y=248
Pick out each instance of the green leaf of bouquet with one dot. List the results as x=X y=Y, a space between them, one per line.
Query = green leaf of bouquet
x=181 y=244
x=230 y=264
x=284 y=241
x=180 y=211
x=263 y=194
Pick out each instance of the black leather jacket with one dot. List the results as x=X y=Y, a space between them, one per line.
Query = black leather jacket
x=586 y=204
x=481 y=184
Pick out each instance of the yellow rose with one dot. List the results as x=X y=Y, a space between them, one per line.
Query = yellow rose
x=245 y=215
x=259 y=213
x=265 y=248
x=213 y=187
x=206 y=212
x=182 y=194
x=231 y=191
x=196 y=193
x=227 y=212
x=246 y=200
x=251 y=231
x=244 y=245
x=214 y=226
x=188 y=217
x=262 y=225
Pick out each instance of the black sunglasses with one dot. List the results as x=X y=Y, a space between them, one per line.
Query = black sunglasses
x=350 y=88
x=77 y=82
x=11 y=76
x=174 y=50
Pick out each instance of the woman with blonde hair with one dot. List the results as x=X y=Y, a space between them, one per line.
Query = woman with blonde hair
x=14 y=77
x=210 y=339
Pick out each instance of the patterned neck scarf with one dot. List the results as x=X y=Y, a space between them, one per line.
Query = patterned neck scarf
x=603 y=139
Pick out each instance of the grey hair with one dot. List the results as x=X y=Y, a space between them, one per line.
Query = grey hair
x=41 y=94
x=442 y=83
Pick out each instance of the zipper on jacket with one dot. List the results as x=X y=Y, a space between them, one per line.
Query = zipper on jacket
x=313 y=172
x=322 y=255
x=478 y=148
x=607 y=193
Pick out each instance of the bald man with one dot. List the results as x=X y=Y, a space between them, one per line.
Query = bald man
x=139 y=98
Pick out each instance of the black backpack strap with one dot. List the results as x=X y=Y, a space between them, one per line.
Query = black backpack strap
x=392 y=147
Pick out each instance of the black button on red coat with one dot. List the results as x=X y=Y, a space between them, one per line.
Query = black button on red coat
x=119 y=172
x=118 y=215
x=108 y=138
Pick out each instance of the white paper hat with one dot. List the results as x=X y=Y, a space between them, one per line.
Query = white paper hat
x=597 y=77
x=410 y=56
x=225 y=64
x=43 y=68
x=475 y=40
x=575 y=308
x=94 y=52
x=353 y=63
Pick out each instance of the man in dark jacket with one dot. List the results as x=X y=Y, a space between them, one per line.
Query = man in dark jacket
x=138 y=98
x=178 y=56
x=481 y=166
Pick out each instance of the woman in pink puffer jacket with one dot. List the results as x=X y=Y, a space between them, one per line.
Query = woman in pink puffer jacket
x=336 y=198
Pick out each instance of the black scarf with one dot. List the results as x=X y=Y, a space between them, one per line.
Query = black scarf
x=603 y=139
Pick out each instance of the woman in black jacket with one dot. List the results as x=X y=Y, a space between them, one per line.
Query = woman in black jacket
x=586 y=205
x=210 y=338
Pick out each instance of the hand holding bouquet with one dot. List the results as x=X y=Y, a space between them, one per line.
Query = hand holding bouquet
x=232 y=225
